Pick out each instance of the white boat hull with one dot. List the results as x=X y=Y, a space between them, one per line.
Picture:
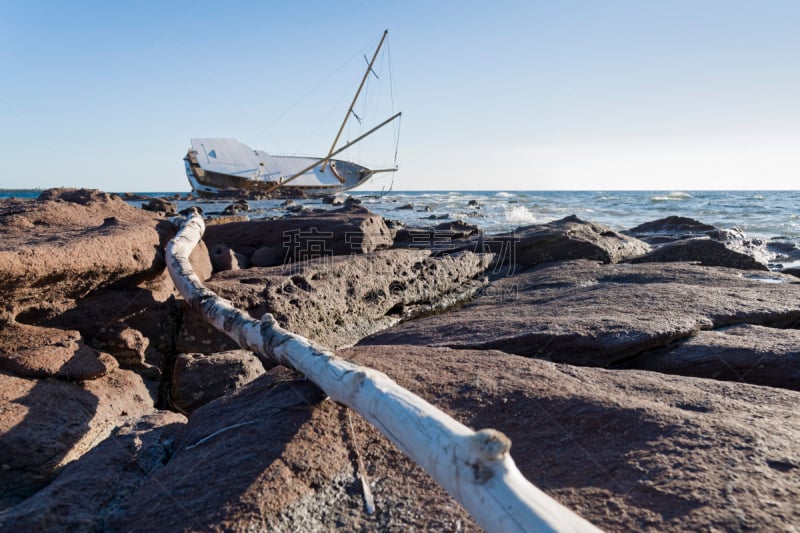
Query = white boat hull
x=229 y=167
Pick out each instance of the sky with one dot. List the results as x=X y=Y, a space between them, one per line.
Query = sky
x=502 y=95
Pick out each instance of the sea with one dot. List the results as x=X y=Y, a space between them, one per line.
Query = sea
x=770 y=216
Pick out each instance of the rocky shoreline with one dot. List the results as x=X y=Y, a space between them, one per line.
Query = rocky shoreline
x=648 y=379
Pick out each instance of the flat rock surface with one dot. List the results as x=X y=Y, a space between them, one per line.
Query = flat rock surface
x=90 y=488
x=47 y=423
x=628 y=450
x=747 y=353
x=345 y=231
x=30 y=351
x=66 y=246
x=585 y=313
x=704 y=251
x=339 y=300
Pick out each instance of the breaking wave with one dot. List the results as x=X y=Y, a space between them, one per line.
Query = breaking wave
x=519 y=215
x=671 y=197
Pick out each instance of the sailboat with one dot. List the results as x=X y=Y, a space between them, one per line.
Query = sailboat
x=227 y=167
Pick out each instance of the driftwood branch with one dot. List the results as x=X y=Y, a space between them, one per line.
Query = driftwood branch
x=474 y=467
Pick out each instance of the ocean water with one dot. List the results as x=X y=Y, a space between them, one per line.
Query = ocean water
x=771 y=216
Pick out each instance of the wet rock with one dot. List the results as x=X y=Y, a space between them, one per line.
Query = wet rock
x=197 y=379
x=238 y=206
x=405 y=206
x=565 y=239
x=669 y=229
x=88 y=489
x=47 y=423
x=352 y=201
x=582 y=312
x=161 y=205
x=746 y=353
x=342 y=299
x=339 y=232
x=792 y=271
x=333 y=199
x=704 y=251
x=474 y=203
x=289 y=203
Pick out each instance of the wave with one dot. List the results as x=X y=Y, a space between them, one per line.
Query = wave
x=520 y=215
x=504 y=194
x=671 y=197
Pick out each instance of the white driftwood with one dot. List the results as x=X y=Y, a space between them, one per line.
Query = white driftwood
x=474 y=467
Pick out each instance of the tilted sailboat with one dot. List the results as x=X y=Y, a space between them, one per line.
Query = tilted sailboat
x=228 y=167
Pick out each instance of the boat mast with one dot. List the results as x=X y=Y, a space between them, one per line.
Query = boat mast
x=330 y=155
x=355 y=99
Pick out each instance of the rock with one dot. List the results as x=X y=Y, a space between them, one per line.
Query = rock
x=669 y=229
x=49 y=422
x=198 y=336
x=447 y=236
x=269 y=256
x=585 y=313
x=474 y=203
x=352 y=201
x=237 y=207
x=339 y=232
x=83 y=240
x=77 y=196
x=702 y=250
x=289 y=203
x=137 y=325
x=223 y=258
x=35 y=352
x=746 y=353
x=628 y=450
x=560 y=240
x=197 y=379
x=334 y=199
x=128 y=345
x=405 y=206
x=342 y=299
x=160 y=205
x=87 y=490
x=792 y=271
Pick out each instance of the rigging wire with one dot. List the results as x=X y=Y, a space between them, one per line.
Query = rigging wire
x=276 y=120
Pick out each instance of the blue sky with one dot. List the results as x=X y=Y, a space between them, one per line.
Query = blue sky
x=600 y=95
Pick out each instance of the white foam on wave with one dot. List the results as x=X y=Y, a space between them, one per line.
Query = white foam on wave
x=671 y=197
x=504 y=194
x=519 y=215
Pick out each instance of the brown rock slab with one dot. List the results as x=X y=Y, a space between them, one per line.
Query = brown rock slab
x=283 y=460
x=703 y=251
x=746 y=353
x=47 y=423
x=338 y=300
x=197 y=378
x=88 y=489
x=628 y=450
x=345 y=231
x=561 y=240
x=34 y=352
x=77 y=241
x=582 y=312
